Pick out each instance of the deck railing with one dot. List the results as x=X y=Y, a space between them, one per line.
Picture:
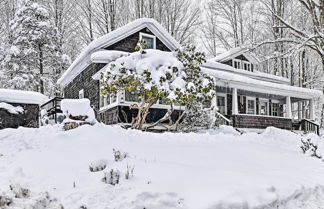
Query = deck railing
x=309 y=126
x=222 y=120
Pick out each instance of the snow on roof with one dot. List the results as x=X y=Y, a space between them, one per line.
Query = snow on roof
x=232 y=53
x=263 y=86
x=19 y=96
x=83 y=59
x=106 y=56
x=256 y=74
x=11 y=109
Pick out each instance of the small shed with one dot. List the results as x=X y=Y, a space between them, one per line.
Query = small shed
x=20 y=108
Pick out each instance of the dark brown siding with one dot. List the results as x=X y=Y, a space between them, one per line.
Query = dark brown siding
x=30 y=117
x=260 y=122
x=84 y=81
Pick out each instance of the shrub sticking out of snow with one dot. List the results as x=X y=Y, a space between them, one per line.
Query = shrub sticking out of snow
x=98 y=165
x=119 y=155
x=112 y=177
x=11 y=109
x=313 y=146
x=45 y=201
x=5 y=201
x=129 y=172
x=19 y=191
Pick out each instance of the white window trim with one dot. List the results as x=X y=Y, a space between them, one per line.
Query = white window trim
x=276 y=102
x=248 y=63
x=247 y=105
x=81 y=94
x=268 y=105
x=150 y=36
x=222 y=95
x=238 y=61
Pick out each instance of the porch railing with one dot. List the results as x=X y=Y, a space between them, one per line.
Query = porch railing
x=222 y=120
x=309 y=126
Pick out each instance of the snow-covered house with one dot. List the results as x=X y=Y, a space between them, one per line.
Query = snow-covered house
x=246 y=97
x=20 y=108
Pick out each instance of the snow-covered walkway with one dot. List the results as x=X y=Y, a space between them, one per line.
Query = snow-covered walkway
x=214 y=170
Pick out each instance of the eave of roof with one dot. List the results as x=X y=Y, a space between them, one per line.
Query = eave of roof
x=246 y=83
x=83 y=60
x=256 y=74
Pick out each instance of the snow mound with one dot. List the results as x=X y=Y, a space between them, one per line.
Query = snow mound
x=18 y=96
x=172 y=170
x=11 y=109
x=78 y=107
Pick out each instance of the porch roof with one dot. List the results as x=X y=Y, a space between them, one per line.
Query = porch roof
x=243 y=82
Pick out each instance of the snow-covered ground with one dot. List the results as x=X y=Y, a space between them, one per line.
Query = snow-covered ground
x=219 y=169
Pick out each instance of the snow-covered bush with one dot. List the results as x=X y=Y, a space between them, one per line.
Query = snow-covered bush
x=5 y=201
x=129 y=172
x=77 y=112
x=19 y=191
x=154 y=75
x=98 y=165
x=119 y=155
x=313 y=146
x=45 y=201
x=112 y=177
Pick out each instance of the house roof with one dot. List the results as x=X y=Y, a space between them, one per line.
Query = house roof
x=83 y=60
x=23 y=97
x=256 y=74
x=232 y=53
x=234 y=80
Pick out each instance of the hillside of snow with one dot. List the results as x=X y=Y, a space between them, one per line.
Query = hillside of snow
x=218 y=169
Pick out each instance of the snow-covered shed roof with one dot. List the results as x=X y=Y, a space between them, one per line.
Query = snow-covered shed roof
x=23 y=97
x=83 y=60
x=256 y=74
x=234 y=80
x=232 y=53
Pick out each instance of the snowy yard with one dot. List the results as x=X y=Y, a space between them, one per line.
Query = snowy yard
x=219 y=169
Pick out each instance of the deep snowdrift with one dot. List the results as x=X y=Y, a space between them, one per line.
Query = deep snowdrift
x=217 y=169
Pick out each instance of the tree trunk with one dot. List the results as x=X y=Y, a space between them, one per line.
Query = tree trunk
x=41 y=70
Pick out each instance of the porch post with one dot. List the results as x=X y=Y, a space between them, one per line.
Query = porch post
x=311 y=109
x=299 y=111
x=234 y=102
x=288 y=107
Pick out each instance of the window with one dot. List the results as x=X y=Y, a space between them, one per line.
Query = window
x=277 y=109
x=131 y=97
x=81 y=94
x=150 y=40
x=264 y=107
x=250 y=106
x=221 y=104
x=247 y=66
x=104 y=100
x=237 y=64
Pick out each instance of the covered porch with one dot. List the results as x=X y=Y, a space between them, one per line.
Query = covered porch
x=250 y=107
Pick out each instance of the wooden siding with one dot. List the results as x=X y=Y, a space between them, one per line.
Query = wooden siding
x=30 y=117
x=260 y=122
x=91 y=87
